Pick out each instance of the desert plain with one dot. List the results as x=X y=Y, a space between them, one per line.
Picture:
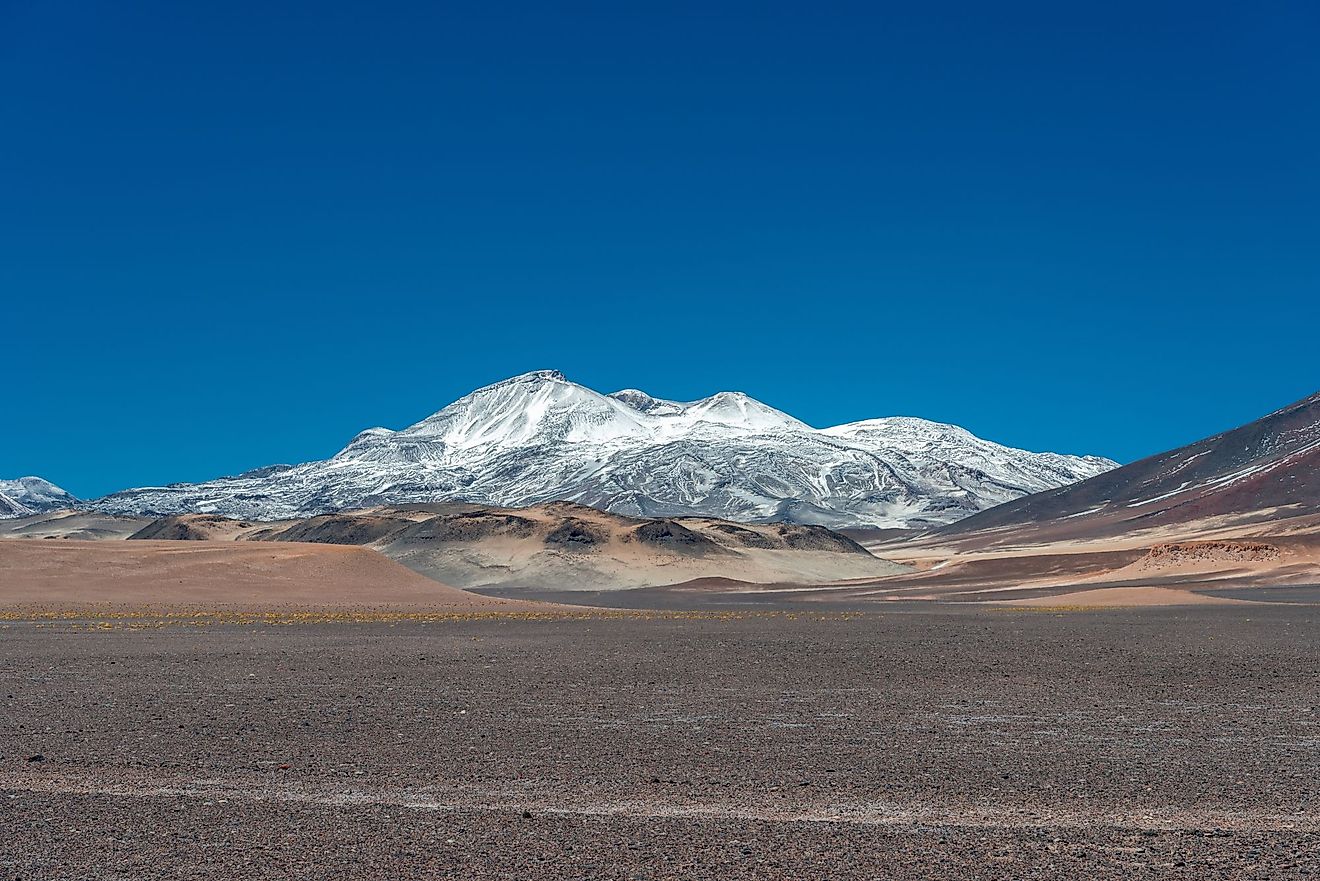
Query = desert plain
x=761 y=732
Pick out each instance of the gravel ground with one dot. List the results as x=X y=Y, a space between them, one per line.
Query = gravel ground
x=1160 y=743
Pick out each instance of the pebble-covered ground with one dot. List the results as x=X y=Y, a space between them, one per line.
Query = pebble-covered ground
x=943 y=744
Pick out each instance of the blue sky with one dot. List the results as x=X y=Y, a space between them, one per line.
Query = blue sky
x=234 y=234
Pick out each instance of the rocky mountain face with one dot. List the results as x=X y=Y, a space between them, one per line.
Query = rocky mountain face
x=1267 y=469
x=32 y=495
x=538 y=437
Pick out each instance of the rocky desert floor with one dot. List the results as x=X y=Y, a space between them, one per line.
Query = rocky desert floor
x=942 y=742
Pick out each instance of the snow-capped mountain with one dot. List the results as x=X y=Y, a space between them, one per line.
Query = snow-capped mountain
x=539 y=437
x=32 y=495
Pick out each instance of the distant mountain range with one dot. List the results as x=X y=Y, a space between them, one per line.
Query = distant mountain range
x=538 y=438
x=1236 y=511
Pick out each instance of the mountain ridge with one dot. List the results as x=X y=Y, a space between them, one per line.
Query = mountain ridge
x=539 y=437
x=1269 y=467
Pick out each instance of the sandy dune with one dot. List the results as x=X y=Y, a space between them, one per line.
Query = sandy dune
x=69 y=574
x=570 y=547
x=567 y=552
x=1124 y=597
x=558 y=546
x=364 y=558
x=200 y=527
x=1156 y=565
x=1216 y=565
x=85 y=525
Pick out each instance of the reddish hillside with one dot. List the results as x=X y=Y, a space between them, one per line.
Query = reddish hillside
x=1267 y=469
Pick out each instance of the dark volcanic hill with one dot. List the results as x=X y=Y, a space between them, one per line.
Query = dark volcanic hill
x=558 y=546
x=1268 y=469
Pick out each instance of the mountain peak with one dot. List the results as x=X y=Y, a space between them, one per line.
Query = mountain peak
x=539 y=437
x=530 y=409
x=900 y=426
x=32 y=495
x=741 y=410
x=531 y=378
x=644 y=403
x=536 y=376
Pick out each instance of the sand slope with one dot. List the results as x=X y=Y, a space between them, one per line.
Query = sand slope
x=1124 y=597
x=572 y=547
x=86 y=525
x=199 y=527
x=207 y=574
x=558 y=546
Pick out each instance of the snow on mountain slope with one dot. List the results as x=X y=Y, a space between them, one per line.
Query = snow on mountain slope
x=32 y=495
x=539 y=437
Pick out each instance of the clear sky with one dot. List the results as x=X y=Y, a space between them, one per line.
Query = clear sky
x=233 y=234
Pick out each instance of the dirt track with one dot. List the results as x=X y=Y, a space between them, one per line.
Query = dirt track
x=1170 y=743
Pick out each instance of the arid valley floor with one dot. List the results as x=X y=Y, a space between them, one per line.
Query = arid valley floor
x=915 y=741
x=1114 y=679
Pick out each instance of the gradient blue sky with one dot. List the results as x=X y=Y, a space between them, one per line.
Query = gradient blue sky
x=234 y=234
